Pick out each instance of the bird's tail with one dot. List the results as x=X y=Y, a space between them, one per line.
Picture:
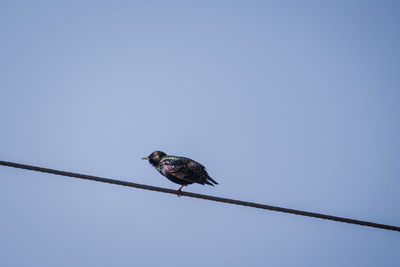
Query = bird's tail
x=209 y=179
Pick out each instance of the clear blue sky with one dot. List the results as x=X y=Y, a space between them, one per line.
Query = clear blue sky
x=287 y=103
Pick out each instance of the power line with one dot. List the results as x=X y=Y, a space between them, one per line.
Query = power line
x=207 y=197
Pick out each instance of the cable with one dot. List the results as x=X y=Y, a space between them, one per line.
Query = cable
x=207 y=197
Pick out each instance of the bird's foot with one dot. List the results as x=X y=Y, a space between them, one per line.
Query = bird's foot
x=179 y=191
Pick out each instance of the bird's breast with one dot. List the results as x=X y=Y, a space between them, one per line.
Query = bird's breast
x=166 y=169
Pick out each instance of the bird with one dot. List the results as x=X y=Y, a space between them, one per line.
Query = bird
x=180 y=170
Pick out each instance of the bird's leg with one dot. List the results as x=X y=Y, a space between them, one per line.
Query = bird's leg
x=179 y=191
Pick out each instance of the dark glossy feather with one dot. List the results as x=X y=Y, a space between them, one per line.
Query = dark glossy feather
x=186 y=169
x=180 y=170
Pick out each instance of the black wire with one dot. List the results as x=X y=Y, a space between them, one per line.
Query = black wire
x=194 y=195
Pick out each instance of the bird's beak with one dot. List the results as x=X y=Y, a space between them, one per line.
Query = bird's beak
x=145 y=158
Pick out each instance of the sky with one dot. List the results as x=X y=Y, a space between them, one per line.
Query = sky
x=287 y=103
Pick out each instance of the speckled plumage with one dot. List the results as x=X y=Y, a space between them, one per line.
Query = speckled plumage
x=180 y=170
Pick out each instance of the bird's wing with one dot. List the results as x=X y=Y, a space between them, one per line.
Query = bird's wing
x=182 y=168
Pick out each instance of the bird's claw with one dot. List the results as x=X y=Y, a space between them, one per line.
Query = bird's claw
x=179 y=193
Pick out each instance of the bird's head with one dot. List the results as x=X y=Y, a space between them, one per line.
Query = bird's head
x=155 y=157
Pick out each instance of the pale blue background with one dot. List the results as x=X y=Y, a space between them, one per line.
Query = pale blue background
x=288 y=103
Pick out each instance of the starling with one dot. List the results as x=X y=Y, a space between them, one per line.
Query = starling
x=180 y=170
